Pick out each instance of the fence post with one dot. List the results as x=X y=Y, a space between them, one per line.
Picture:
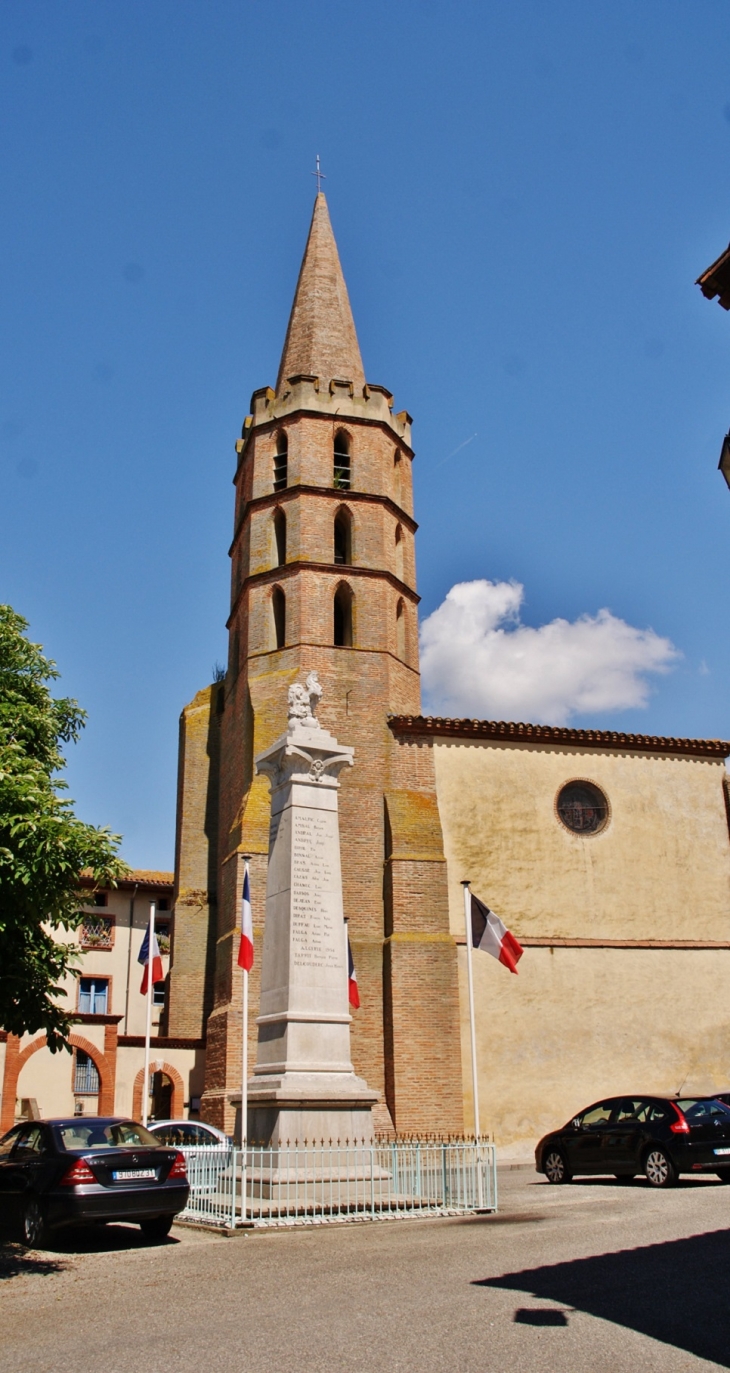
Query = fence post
x=233 y=1189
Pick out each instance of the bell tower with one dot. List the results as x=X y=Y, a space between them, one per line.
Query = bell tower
x=323 y=577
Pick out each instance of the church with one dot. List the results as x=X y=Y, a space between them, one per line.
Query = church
x=606 y=854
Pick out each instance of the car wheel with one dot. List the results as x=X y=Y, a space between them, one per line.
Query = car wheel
x=659 y=1170
x=156 y=1228
x=34 y=1224
x=555 y=1168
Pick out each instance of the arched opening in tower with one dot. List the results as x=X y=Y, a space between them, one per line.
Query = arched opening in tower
x=281 y=462
x=343 y=537
x=401 y=630
x=278 y=611
x=280 y=537
x=343 y=616
x=342 y=462
x=399 y=552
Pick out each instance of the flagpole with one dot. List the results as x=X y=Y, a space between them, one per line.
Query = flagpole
x=148 y=1030
x=472 y=1029
x=244 y=1047
x=473 y=1038
x=244 y=1062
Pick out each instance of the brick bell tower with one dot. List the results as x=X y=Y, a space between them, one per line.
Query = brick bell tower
x=323 y=576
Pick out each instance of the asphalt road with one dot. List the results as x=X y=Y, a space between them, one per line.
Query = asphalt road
x=594 y=1276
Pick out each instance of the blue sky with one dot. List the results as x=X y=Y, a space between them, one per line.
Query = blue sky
x=523 y=196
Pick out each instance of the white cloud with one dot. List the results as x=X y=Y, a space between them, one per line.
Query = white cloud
x=479 y=660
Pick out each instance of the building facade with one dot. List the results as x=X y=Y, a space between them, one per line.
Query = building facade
x=607 y=855
x=104 y=1072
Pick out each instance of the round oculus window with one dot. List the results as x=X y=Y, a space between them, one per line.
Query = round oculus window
x=582 y=807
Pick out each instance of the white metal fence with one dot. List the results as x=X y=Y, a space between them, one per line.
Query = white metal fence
x=308 y=1184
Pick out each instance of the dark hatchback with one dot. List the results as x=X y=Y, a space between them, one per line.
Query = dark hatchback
x=88 y=1170
x=660 y=1137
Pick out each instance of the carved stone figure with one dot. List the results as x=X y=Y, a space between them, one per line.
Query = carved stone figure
x=303 y=702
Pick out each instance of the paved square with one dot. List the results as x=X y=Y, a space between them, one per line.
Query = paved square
x=597 y=1276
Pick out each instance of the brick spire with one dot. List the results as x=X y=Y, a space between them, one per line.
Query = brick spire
x=321 y=339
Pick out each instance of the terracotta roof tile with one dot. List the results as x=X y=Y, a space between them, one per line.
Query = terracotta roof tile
x=716 y=280
x=138 y=877
x=518 y=732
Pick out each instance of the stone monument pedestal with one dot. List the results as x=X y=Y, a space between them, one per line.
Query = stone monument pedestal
x=304 y=1087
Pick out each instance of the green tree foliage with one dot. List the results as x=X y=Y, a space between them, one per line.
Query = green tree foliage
x=43 y=846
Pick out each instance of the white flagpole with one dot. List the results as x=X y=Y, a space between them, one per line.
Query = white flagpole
x=148 y=1030
x=244 y=1061
x=473 y=1038
x=472 y=1029
x=244 y=1045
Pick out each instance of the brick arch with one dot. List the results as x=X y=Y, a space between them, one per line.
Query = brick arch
x=16 y=1059
x=344 y=628
x=344 y=534
x=177 y=1105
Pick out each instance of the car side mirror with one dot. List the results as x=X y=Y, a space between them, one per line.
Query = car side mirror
x=576 y=1123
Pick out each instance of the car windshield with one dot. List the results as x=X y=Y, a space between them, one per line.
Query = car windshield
x=117 y=1134
x=697 y=1109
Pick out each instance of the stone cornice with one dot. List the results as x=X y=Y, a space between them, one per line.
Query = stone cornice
x=342 y=571
x=86 y=1018
x=516 y=732
x=289 y=493
x=161 y=1042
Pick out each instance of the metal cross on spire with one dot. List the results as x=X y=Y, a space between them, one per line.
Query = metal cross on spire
x=319 y=175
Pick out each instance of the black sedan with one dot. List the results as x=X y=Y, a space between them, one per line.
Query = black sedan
x=88 y=1169
x=660 y=1137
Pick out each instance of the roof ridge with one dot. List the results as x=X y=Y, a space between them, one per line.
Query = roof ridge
x=516 y=729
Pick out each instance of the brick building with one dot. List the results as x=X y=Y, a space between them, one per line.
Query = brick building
x=104 y=1071
x=607 y=854
x=323 y=577
x=626 y=920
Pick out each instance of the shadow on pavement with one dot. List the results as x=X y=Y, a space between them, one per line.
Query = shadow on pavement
x=674 y=1292
x=89 y=1239
x=15 y=1262
x=683 y=1183
x=103 y=1239
x=541 y=1316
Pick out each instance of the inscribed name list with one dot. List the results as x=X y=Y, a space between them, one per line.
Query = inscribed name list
x=316 y=933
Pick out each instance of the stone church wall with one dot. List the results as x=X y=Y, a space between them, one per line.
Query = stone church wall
x=592 y=1012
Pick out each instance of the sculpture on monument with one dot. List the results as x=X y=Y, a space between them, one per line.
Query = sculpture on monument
x=304 y=1086
x=303 y=701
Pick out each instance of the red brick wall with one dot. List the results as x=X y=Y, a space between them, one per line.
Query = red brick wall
x=405 y=1037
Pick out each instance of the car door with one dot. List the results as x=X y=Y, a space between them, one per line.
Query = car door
x=8 y=1178
x=625 y=1135
x=709 y=1130
x=30 y=1161
x=585 y=1142
x=25 y=1168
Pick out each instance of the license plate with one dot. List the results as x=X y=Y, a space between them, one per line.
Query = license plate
x=126 y=1174
x=721 y=1151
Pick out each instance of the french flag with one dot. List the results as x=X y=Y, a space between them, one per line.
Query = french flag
x=353 y=994
x=245 y=948
x=489 y=934
x=144 y=958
